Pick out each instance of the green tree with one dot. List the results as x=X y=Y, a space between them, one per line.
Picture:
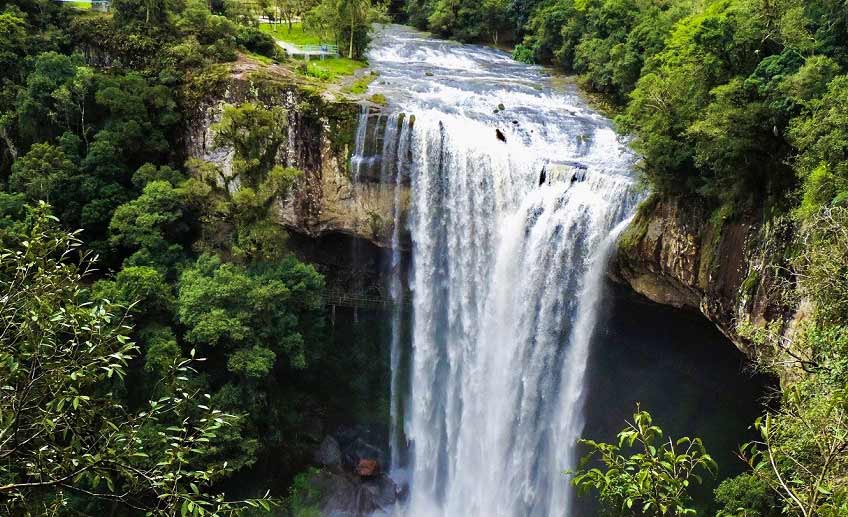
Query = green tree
x=236 y=206
x=152 y=226
x=62 y=429
x=43 y=174
x=654 y=479
x=821 y=137
x=254 y=312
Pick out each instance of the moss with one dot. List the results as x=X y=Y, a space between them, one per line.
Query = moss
x=636 y=231
x=360 y=86
x=304 y=495
x=379 y=98
x=722 y=214
x=751 y=282
x=202 y=85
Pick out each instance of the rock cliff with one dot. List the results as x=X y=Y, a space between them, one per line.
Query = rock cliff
x=322 y=129
x=675 y=252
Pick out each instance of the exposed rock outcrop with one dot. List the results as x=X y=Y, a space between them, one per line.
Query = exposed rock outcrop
x=322 y=130
x=675 y=253
x=351 y=481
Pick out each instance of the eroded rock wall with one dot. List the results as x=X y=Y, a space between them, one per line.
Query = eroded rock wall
x=322 y=130
x=676 y=252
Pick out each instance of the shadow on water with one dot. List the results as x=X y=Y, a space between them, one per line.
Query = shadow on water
x=681 y=369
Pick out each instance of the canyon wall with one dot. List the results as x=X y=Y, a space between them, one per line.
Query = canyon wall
x=677 y=252
x=322 y=130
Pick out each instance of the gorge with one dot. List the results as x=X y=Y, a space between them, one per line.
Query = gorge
x=291 y=258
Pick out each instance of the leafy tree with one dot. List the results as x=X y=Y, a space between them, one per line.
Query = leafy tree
x=801 y=452
x=152 y=226
x=820 y=135
x=654 y=479
x=348 y=21
x=43 y=174
x=259 y=326
x=236 y=205
x=746 y=495
x=251 y=312
x=62 y=429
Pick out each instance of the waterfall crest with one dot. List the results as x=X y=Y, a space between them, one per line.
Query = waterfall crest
x=509 y=230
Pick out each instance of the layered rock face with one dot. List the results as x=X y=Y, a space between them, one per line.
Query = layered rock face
x=675 y=253
x=322 y=132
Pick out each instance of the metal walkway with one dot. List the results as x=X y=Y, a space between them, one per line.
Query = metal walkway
x=334 y=298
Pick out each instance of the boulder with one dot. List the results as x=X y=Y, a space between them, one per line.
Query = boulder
x=329 y=453
x=368 y=468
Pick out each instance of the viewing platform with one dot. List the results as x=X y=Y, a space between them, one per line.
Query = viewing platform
x=102 y=6
x=320 y=51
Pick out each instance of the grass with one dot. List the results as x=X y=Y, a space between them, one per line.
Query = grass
x=360 y=86
x=78 y=5
x=265 y=60
x=330 y=69
x=296 y=36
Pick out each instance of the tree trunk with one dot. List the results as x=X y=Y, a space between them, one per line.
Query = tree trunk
x=10 y=145
x=350 y=53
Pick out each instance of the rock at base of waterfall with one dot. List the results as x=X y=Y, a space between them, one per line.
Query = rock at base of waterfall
x=342 y=494
x=368 y=468
x=329 y=453
x=361 y=442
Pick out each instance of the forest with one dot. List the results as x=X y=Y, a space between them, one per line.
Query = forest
x=159 y=338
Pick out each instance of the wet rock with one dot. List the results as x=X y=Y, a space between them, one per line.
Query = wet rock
x=343 y=494
x=501 y=107
x=368 y=468
x=515 y=122
x=499 y=135
x=329 y=453
x=428 y=74
x=358 y=450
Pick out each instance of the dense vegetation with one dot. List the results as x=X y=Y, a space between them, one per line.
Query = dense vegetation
x=196 y=304
x=173 y=340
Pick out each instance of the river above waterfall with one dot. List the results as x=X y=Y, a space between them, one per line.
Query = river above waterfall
x=517 y=189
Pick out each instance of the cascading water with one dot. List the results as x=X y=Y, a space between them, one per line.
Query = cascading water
x=516 y=192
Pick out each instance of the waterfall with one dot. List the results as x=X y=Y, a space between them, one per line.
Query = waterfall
x=509 y=231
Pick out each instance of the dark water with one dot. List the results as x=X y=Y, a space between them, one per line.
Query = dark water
x=681 y=369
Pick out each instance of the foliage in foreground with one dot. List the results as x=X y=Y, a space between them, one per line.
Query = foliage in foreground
x=645 y=473
x=802 y=452
x=64 y=429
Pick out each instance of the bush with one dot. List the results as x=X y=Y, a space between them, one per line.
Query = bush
x=257 y=41
x=748 y=496
x=523 y=54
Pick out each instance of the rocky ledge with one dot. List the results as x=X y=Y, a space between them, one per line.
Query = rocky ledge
x=676 y=252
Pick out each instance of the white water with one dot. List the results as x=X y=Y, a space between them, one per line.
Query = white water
x=506 y=272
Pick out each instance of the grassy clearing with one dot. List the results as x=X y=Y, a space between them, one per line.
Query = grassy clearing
x=265 y=60
x=330 y=69
x=296 y=36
